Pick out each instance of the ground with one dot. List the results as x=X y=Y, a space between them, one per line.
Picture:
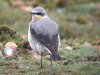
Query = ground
x=79 y=61
x=77 y=21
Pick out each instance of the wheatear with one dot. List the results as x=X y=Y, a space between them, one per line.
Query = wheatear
x=43 y=34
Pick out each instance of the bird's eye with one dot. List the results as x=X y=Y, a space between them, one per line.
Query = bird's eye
x=41 y=14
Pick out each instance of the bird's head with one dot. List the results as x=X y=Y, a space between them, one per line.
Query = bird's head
x=38 y=13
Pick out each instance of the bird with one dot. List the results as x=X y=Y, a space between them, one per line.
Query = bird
x=43 y=34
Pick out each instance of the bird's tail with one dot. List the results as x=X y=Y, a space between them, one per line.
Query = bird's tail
x=55 y=56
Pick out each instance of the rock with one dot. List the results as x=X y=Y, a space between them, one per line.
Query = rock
x=21 y=5
x=87 y=45
x=7 y=52
x=34 y=55
x=11 y=45
x=68 y=48
x=10 y=49
x=25 y=37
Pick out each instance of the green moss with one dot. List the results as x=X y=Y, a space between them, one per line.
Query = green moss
x=5 y=29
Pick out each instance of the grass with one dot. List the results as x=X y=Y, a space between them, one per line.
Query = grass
x=77 y=14
x=76 y=62
x=82 y=61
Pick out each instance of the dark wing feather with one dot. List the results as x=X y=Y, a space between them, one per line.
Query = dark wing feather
x=50 y=43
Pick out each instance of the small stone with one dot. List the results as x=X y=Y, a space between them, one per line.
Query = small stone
x=68 y=48
x=87 y=45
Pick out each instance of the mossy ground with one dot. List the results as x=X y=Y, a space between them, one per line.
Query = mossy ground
x=83 y=61
x=79 y=20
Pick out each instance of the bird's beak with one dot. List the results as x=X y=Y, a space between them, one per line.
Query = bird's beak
x=33 y=12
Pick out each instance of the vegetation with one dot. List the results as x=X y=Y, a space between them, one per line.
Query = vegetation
x=79 y=22
x=83 y=61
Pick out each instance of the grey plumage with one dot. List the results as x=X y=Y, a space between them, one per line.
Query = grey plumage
x=45 y=26
x=38 y=10
x=43 y=36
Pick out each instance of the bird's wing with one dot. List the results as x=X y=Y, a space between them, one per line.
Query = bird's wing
x=51 y=43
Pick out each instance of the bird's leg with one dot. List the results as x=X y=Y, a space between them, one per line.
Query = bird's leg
x=41 y=60
x=51 y=60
